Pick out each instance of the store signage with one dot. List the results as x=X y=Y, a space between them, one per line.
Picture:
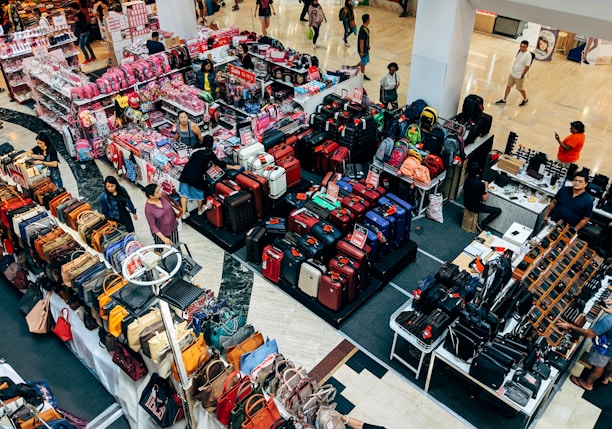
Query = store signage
x=373 y=176
x=332 y=191
x=358 y=95
x=359 y=236
x=39 y=51
x=17 y=175
x=241 y=73
x=60 y=20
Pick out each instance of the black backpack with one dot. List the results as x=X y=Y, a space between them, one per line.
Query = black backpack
x=434 y=141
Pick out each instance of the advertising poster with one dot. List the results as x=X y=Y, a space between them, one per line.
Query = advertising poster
x=545 y=45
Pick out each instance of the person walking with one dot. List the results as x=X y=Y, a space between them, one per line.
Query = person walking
x=264 y=9
x=347 y=13
x=600 y=357
x=316 y=16
x=117 y=204
x=306 y=4
x=363 y=44
x=388 y=86
x=82 y=32
x=160 y=216
x=519 y=70
x=570 y=146
x=476 y=194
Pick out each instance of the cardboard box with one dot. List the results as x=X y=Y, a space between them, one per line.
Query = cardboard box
x=517 y=234
x=509 y=164
x=470 y=219
x=484 y=22
x=171 y=42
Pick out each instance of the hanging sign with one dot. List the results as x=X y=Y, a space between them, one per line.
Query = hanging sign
x=359 y=236
x=373 y=176
x=241 y=73
x=545 y=46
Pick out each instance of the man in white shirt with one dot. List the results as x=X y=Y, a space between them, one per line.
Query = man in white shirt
x=519 y=70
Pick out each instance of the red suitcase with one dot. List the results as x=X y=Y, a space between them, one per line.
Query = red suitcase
x=323 y=155
x=301 y=220
x=343 y=219
x=357 y=205
x=281 y=151
x=361 y=256
x=258 y=187
x=214 y=215
x=349 y=269
x=227 y=187
x=332 y=291
x=340 y=159
x=293 y=170
x=368 y=192
x=271 y=261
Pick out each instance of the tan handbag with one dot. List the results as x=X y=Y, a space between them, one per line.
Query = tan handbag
x=41 y=240
x=160 y=340
x=248 y=345
x=164 y=357
x=39 y=320
x=80 y=261
x=59 y=241
x=208 y=385
x=87 y=219
x=138 y=325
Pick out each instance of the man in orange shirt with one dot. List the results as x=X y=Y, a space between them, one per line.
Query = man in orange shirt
x=570 y=147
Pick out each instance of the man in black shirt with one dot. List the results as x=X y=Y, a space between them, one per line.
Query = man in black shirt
x=154 y=45
x=476 y=193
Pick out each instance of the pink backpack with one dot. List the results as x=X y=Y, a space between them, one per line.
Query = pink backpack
x=398 y=155
x=408 y=166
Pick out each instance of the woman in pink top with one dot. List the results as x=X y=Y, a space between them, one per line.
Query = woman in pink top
x=161 y=217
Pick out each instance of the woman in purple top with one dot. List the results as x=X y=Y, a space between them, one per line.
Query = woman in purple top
x=161 y=217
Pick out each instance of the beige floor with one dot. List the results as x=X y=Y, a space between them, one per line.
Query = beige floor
x=559 y=91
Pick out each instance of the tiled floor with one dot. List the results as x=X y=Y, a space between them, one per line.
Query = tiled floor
x=560 y=91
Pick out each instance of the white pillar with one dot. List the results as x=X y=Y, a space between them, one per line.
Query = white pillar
x=178 y=16
x=442 y=37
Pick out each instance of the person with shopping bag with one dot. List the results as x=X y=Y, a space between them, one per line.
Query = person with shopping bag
x=316 y=16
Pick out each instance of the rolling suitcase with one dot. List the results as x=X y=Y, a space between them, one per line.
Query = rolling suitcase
x=323 y=154
x=332 y=291
x=340 y=159
x=295 y=201
x=256 y=240
x=277 y=181
x=293 y=170
x=272 y=137
x=301 y=221
x=357 y=205
x=281 y=151
x=257 y=185
x=346 y=248
x=394 y=199
x=396 y=232
x=341 y=265
x=290 y=267
x=312 y=247
x=327 y=234
x=310 y=277
x=383 y=244
x=276 y=227
x=400 y=215
x=227 y=187
x=373 y=242
x=259 y=162
x=321 y=199
x=320 y=211
x=272 y=259
x=345 y=185
x=242 y=154
x=368 y=192
x=342 y=219
x=214 y=215
x=305 y=151
x=239 y=210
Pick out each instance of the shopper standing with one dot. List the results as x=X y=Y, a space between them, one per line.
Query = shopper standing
x=363 y=44
x=154 y=46
x=206 y=79
x=264 y=9
x=160 y=216
x=476 y=194
x=45 y=155
x=599 y=358
x=388 y=86
x=570 y=147
x=82 y=32
x=307 y=4
x=245 y=57
x=348 y=20
x=187 y=132
x=316 y=17
x=117 y=204
x=42 y=21
x=572 y=204
x=519 y=70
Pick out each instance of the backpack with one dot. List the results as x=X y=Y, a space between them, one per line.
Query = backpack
x=342 y=14
x=413 y=134
x=398 y=155
x=413 y=112
x=394 y=129
x=384 y=150
x=429 y=118
x=83 y=150
x=422 y=175
x=435 y=165
x=434 y=141
x=408 y=166
x=450 y=149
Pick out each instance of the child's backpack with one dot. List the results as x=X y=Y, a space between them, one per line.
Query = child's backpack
x=434 y=141
x=413 y=134
x=429 y=118
x=412 y=113
x=384 y=150
x=422 y=175
x=450 y=150
x=409 y=166
x=83 y=150
x=398 y=155
x=435 y=165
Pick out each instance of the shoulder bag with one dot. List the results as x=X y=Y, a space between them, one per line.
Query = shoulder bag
x=161 y=402
x=138 y=325
x=194 y=357
x=38 y=319
x=235 y=352
x=131 y=363
x=62 y=326
x=261 y=414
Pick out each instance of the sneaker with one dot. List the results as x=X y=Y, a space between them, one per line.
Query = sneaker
x=523 y=102
x=303 y=20
x=235 y=7
x=185 y=215
x=201 y=211
x=347 y=45
x=86 y=62
x=314 y=46
x=502 y=101
x=585 y=62
x=365 y=77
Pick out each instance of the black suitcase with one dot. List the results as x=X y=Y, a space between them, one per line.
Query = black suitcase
x=290 y=267
x=239 y=209
x=484 y=124
x=256 y=239
x=271 y=138
x=305 y=150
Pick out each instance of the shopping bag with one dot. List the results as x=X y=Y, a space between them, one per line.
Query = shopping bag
x=62 y=326
x=38 y=319
x=310 y=33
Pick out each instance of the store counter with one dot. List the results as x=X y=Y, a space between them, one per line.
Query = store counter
x=517 y=205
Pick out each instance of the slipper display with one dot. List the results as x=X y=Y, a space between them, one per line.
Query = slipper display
x=578 y=382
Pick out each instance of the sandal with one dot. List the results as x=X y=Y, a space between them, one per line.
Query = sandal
x=578 y=382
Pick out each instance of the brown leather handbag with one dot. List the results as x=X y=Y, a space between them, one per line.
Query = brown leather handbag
x=41 y=240
x=194 y=357
x=111 y=284
x=78 y=265
x=248 y=345
x=43 y=188
x=207 y=385
x=85 y=220
x=57 y=242
x=60 y=199
x=71 y=218
x=98 y=234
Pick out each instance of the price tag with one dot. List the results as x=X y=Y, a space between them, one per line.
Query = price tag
x=359 y=236
x=358 y=95
x=39 y=51
x=59 y=20
x=332 y=191
x=241 y=73
x=373 y=176
x=215 y=173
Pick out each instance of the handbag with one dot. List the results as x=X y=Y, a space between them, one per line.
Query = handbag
x=228 y=325
x=208 y=384
x=38 y=319
x=115 y=320
x=238 y=415
x=239 y=336
x=62 y=326
x=329 y=418
x=29 y=299
x=235 y=352
x=138 y=325
x=234 y=386
x=261 y=414
x=310 y=33
x=194 y=357
x=161 y=402
x=159 y=340
x=250 y=360
x=34 y=421
x=131 y=363
x=164 y=357
x=111 y=284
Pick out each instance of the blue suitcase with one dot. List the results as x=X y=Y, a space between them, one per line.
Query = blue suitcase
x=396 y=233
x=345 y=184
x=401 y=215
x=402 y=203
x=312 y=247
x=374 y=243
x=329 y=235
x=382 y=228
x=290 y=266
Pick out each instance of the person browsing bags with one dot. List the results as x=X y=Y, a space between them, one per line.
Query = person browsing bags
x=187 y=132
x=160 y=216
x=570 y=146
x=519 y=70
x=388 y=86
x=45 y=156
x=476 y=194
x=572 y=204
x=117 y=204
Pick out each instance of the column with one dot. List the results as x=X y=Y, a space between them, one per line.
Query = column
x=442 y=37
x=178 y=16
